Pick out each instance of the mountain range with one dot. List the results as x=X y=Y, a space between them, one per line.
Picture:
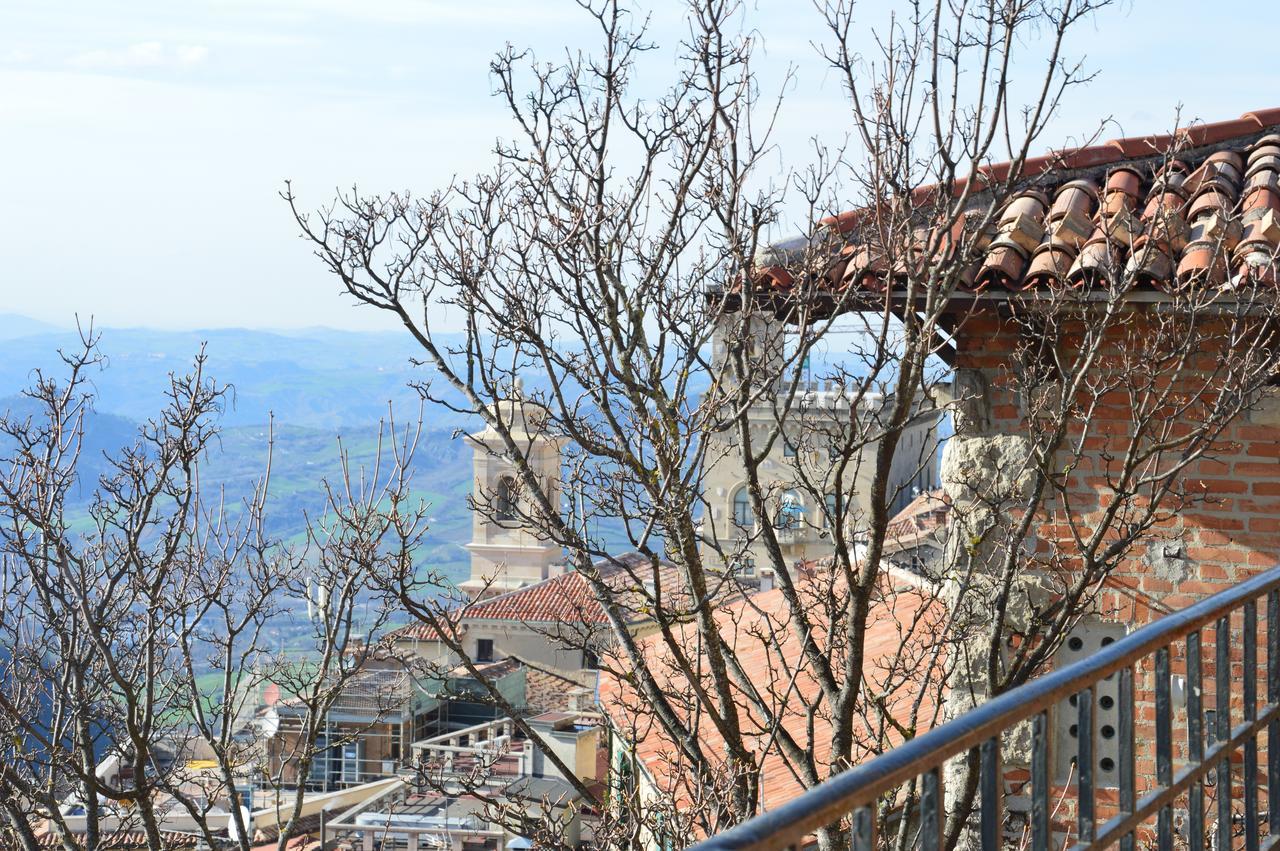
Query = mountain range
x=316 y=385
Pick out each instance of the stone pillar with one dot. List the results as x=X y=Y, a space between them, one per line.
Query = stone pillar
x=984 y=470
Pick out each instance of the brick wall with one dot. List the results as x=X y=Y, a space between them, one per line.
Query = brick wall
x=1232 y=534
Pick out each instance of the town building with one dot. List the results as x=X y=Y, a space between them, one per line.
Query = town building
x=812 y=428
x=1179 y=228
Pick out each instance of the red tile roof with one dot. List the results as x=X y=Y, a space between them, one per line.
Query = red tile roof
x=921 y=521
x=568 y=598
x=564 y=598
x=1159 y=209
x=547 y=690
x=899 y=669
x=418 y=631
x=559 y=599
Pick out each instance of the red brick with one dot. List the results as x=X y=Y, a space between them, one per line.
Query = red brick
x=1214 y=521
x=1212 y=571
x=1255 y=432
x=1253 y=506
x=1220 y=485
x=1222 y=554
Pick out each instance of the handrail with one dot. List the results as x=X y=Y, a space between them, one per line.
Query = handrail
x=861 y=786
x=484 y=726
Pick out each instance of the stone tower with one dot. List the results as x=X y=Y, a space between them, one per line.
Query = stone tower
x=506 y=552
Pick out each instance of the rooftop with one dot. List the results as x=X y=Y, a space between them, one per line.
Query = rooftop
x=568 y=598
x=921 y=521
x=1157 y=210
x=768 y=648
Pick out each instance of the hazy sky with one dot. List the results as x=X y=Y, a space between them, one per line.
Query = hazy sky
x=142 y=143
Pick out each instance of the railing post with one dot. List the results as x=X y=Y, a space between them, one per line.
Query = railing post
x=1128 y=793
x=1195 y=741
x=1085 y=820
x=1222 y=687
x=1040 y=781
x=864 y=829
x=1273 y=726
x=932 y=818
x=1164 y=746
x=1250 y=686
x=992 y=793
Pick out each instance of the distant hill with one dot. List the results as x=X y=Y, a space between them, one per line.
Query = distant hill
x=12 y=325
x=322 y=379
x=318 y=384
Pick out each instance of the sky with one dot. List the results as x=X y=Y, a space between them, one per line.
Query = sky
x=143 y=144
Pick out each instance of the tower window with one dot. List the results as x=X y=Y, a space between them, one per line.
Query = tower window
x=743 y=517
x=505 y=501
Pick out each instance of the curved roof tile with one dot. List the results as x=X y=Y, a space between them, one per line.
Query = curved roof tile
x=1212 y=212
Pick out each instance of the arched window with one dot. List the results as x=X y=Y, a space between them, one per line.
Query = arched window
x=505 y=499
x=790 y=511
x=743 y=516
x=829 y=518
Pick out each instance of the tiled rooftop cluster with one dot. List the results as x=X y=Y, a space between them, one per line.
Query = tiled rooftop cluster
x=1158 y=210
x=767 y=651
x=567 y=598
x=1181 y=223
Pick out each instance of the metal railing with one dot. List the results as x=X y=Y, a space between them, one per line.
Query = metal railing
x=1206 y=750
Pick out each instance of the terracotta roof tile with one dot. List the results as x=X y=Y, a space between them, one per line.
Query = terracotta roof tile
x=1212 y=212
x=547 y=691
x=568 y=598
x=417 y=631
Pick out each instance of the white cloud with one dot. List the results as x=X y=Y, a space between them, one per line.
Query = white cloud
x=191 y=54
x=485 y=13
x=144 y=54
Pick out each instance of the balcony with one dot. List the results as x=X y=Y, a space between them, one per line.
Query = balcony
x=1190 y=729
x=489 y=753
x=792 y=534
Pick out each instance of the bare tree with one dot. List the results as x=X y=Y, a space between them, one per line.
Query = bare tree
x=622 y=259
x=134 y=637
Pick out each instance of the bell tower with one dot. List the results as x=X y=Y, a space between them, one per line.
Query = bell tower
x=506 y=550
